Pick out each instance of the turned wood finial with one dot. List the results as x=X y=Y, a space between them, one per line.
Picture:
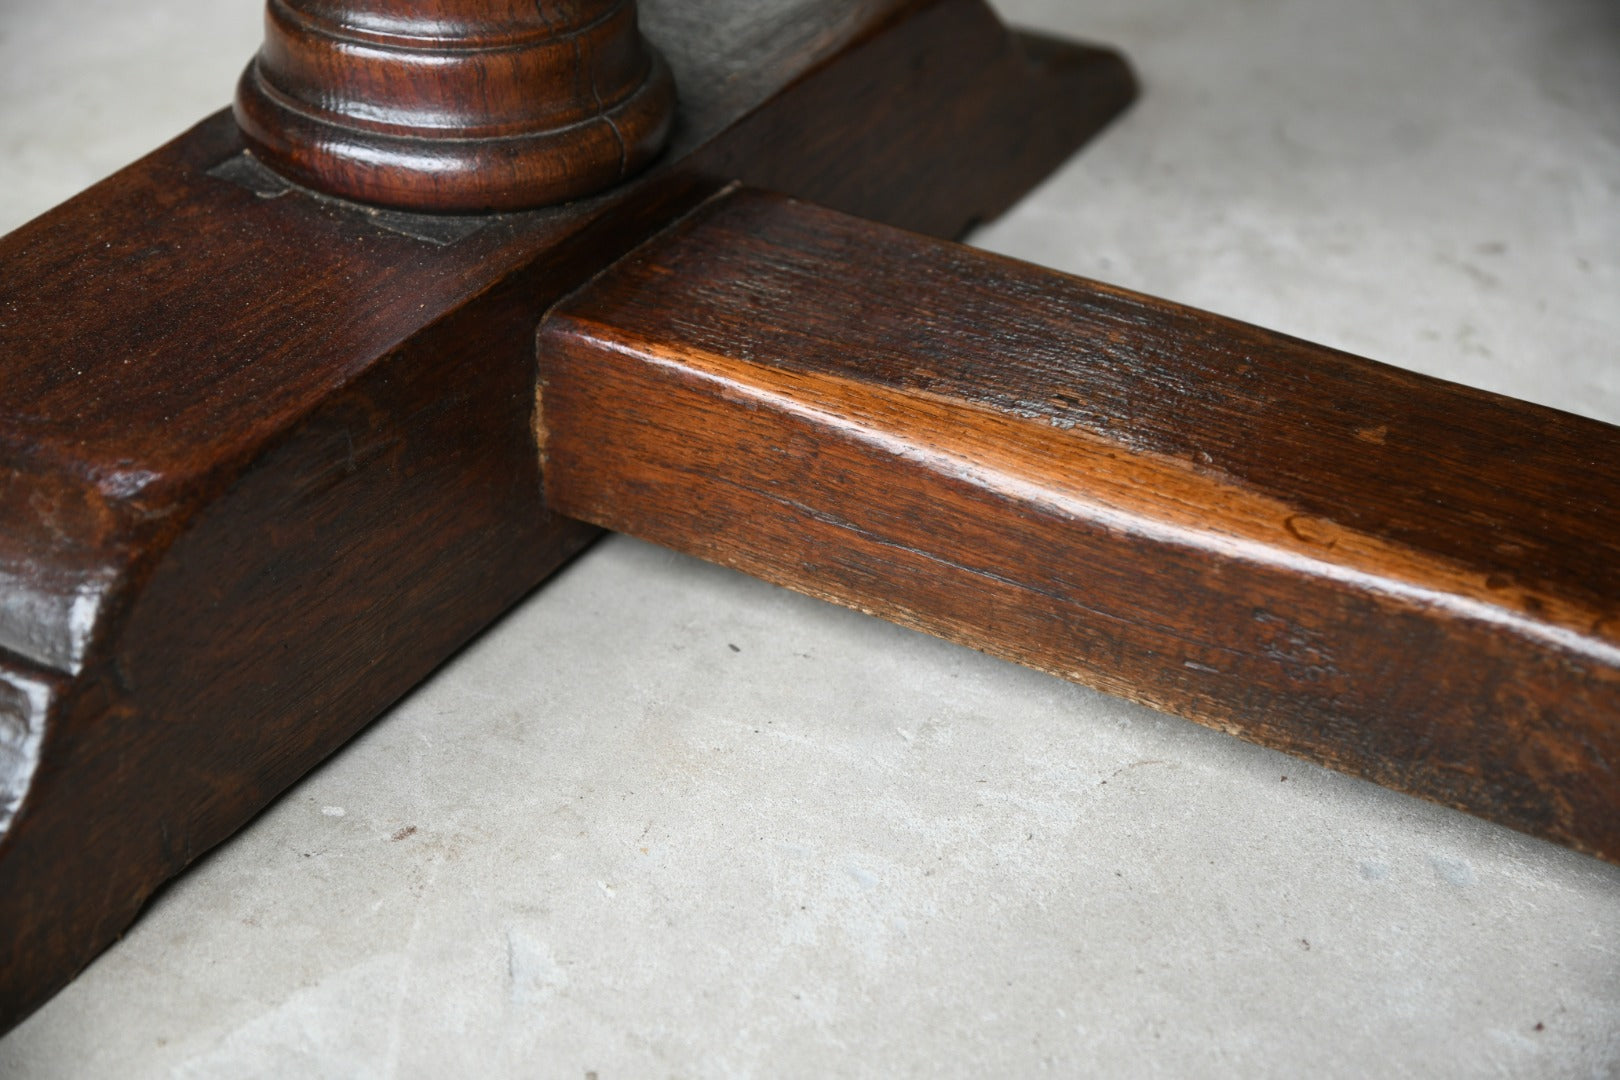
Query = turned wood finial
x=455 y=105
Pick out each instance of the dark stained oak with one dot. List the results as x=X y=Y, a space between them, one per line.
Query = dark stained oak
x=267 y=458
x=1391 y=575
x=455 y=105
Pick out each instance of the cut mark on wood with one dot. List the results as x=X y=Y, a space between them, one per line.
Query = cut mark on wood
x=441 y=230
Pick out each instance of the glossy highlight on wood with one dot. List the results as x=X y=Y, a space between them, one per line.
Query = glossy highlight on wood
x=1388 y=574
x=456 y=105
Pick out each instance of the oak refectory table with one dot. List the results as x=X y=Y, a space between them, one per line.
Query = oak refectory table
x=285 y=426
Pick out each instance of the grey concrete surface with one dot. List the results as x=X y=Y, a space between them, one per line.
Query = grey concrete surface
x=667 y=821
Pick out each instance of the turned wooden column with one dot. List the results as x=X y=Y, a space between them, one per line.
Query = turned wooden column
x=455 y=105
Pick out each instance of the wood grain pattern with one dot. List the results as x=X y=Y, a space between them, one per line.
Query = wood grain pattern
x=455 y=105
x=1392 y=575
x=267 y=458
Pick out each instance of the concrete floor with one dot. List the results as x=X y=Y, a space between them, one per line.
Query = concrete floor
x=665 y=820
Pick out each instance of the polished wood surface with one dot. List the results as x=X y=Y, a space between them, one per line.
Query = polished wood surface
x=455 y=105
x=267 y=458
x=1392 y=575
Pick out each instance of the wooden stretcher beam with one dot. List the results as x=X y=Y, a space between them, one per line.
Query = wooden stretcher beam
x=1388 y=574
